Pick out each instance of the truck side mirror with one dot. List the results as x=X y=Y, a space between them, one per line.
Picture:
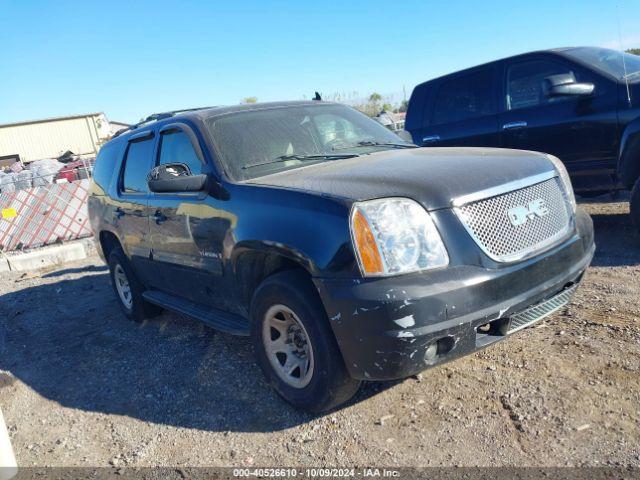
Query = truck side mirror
x=175 y=177
x=565 y=84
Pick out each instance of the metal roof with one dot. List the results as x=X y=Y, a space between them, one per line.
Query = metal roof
x=51 y=119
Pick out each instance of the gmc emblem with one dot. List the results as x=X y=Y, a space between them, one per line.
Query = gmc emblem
x=523 y=213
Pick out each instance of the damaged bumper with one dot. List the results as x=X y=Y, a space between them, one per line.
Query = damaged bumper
x=391 y=328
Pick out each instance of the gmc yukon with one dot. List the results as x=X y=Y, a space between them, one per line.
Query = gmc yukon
x=346 y=253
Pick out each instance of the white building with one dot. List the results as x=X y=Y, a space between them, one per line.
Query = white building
x=393 y=121
x=117 y=126
x=51 y=137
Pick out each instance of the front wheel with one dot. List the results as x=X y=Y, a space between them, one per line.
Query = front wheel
x=295 y=346
x=634 y=204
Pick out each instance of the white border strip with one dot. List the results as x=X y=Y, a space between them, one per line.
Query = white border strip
x=8 y=465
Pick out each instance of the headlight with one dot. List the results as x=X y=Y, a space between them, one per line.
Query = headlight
x=566 y=181
x=395 y=235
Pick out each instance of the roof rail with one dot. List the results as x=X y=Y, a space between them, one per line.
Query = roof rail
x=154 y=117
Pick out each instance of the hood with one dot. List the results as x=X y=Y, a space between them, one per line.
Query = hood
x=432 y=176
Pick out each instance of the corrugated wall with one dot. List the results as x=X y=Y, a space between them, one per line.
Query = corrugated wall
x=43 y=215
x=34 y=141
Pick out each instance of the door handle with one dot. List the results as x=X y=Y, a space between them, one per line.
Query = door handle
x=514 y=125
x=119 y=213
x=430 y=138
x=159 y=217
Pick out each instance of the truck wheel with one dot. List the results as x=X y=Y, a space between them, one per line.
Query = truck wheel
x=128 y=289
x=634 y=204
x=295 y=346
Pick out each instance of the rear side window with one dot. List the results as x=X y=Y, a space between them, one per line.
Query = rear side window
x=464 y=97
x=106 y=164
x=137 y=165
x=175 y=147
x=525 y=83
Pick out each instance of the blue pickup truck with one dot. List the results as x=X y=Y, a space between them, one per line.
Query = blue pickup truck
x=579 y=104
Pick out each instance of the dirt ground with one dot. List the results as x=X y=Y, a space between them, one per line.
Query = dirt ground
x=82 y=386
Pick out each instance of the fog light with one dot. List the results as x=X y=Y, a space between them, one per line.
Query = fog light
x=431 y=351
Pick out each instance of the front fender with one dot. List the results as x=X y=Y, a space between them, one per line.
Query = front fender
x=310 y=230
x=270 y=248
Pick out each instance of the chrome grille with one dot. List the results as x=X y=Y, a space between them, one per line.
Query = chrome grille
x=541 y=310
x=488 y=221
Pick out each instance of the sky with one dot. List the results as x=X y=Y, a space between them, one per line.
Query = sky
x=133 y=58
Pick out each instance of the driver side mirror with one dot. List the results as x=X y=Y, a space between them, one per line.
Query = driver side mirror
x=565 y=85
x=175 y=177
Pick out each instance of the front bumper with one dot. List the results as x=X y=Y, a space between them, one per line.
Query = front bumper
x=384 y=327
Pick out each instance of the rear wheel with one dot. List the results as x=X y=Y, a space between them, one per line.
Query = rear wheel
x=634 y=204
x=128 y=289
x=295 y=346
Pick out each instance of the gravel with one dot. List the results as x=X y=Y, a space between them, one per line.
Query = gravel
x=82 y=386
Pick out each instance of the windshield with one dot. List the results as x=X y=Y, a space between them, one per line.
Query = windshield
x=609 y=61
x=254 y=143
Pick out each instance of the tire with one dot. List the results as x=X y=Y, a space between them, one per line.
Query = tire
x=287 y=301
x=128 y=288
x=634 y=205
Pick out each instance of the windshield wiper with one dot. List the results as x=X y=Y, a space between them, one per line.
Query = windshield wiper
x=632 y=74
x=371 y=143
x=284 y=158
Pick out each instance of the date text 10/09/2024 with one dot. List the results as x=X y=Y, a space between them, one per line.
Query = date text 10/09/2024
x=315 y=472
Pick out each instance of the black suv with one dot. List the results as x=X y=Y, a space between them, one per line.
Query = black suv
x=346 y=253
x=580 y=104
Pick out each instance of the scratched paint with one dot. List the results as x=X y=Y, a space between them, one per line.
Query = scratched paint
x=405 y=334
x=406 y=322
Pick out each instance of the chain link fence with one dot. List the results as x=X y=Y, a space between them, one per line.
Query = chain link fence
x=43 y=209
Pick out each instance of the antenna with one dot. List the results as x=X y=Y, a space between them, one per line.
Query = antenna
x=624 y=63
